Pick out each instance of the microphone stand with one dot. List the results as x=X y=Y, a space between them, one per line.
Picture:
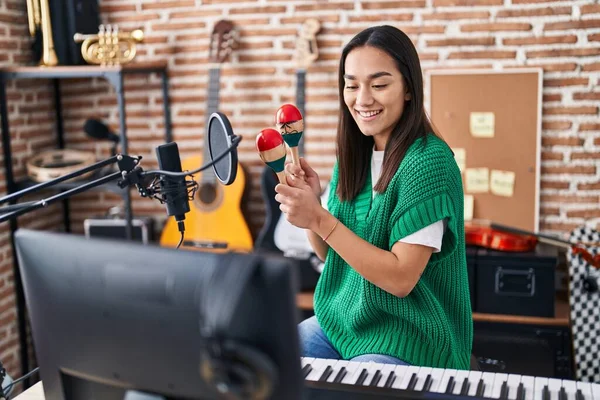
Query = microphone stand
x=129 y=173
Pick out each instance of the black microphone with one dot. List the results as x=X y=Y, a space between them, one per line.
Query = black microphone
x=98 y=130
x=174 y=189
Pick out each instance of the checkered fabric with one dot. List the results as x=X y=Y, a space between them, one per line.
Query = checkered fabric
x=585 y=308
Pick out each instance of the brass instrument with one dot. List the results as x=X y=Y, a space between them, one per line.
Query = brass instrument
x=38 y=15
x=109 y=46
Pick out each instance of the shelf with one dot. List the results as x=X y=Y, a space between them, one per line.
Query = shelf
x=81 y=71
x=304 y=301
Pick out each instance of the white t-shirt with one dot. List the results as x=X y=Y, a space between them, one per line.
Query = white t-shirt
x=430 y=236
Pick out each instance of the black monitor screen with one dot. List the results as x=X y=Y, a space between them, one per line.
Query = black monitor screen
x=112 y=317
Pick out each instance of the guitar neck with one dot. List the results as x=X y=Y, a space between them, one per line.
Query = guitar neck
x=300 y=101
x=214 y=76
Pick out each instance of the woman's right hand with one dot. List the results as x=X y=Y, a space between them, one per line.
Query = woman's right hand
x=307 y=173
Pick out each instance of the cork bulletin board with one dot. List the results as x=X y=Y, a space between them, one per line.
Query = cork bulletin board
x=492 y=121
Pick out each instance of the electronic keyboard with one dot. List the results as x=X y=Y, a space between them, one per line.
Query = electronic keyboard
x=348 y=380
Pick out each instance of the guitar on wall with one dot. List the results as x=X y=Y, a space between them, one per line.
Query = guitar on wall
x=278 y=234
x=215 y=221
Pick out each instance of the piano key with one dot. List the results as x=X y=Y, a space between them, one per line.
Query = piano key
x=554 y=386
x=448 y=373
x=436 y=378
x=362 y=377
x=352 y=368
x=459 y=379
x=529 y=386
x=562 y=394
x=596 y=390
x=488 y=382
x=464 y=390
x=399 y=371
x=306 y=360
x=499 y=379
x=450 y=385
x=579 y=395
x=586 y=390
x=386 y=370
x=570 y=388
x=520 y=392
x=422 y=376
x=376 y=378
x=539 y=385
x=339 y=370
x=408 y=376
x=318 y=366
x=474 y=378
x=372 y=368
x=306 y=370
x=513 y=382
x=325 y=375
x=390 y=379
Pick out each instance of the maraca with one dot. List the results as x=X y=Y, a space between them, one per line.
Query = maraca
x=291 y=126
x=269 y=144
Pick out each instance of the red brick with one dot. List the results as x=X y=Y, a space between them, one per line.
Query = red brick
x=452 y=15
x=562 y=141
x=582 y=110
x=482 y=41
x=564 y=53
x=556 y=125
x=539 y=40
x=534 y=12
x=496 y=27
x=571 y=170
x=586 y=96
x=579 y=24
x=493 y=54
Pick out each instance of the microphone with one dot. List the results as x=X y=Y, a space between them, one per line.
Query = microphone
x=173 y=188
x=98 y=130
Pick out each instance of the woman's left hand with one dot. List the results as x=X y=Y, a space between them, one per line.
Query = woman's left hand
x=298 y=203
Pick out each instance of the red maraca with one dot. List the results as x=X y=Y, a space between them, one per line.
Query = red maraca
x=269 y=144
x=291 y=126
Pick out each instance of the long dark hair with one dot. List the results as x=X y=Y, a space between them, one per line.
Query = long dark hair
x=353 y=148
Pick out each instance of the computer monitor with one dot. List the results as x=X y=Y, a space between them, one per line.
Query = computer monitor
x=113 y=319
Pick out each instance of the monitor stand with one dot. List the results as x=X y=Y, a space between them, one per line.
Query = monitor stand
x=137 y=395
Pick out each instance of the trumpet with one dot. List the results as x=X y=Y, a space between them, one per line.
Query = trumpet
x=38 y=16
x=109 y=46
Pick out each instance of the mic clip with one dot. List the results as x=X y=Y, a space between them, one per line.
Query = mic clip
x=131 y=171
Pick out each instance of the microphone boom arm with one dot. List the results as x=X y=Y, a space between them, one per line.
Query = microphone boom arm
x=129 y=172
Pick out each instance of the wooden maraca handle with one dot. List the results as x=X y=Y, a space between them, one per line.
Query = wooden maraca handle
x=282 y=177
x=295 y=156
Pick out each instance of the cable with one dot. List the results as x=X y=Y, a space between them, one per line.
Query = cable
x=181 y=239
x=234 y=143
x=6 y=391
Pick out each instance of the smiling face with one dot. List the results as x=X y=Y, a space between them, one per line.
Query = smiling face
x=374 y=92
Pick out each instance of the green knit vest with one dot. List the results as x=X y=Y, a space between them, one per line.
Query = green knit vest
x=432 y=326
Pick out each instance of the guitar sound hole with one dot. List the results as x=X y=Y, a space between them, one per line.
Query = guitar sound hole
x=207 y=193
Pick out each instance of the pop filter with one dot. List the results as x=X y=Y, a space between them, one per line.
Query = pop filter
x=220 y=136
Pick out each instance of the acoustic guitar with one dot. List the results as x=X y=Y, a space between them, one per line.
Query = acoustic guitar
x=277 y=234
x=215 y=221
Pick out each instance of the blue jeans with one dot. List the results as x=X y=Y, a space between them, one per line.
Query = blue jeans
x=314 y=343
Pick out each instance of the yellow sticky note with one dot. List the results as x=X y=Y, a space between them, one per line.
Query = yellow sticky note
x=460 y=155
x=477 y=180
x=468 y=205
x=502 y=183
x=482 y=124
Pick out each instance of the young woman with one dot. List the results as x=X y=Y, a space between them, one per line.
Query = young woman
x=394 y=287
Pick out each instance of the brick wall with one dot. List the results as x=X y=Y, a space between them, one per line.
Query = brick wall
x=562 y=37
